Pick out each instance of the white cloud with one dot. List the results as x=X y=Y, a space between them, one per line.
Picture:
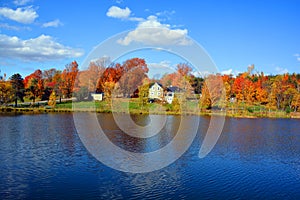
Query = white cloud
x=297 y=56
x=119 y=1
x=9 y=27
x=22 y=2
x=14 y=28
x=42 y=48
x=138 y=19
x=201 y=73
x=227 y=72
x=152 y=32
x=25 y=15
x=125 y=14
x=281 y=70
x=117 y=12
x=54 y=23
x=161 y=65
x=157 y=70
x=165 y=14
x=232 y=72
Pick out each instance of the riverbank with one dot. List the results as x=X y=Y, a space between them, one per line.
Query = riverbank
x=156 y=109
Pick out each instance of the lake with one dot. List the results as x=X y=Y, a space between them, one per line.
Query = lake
x=43 y=157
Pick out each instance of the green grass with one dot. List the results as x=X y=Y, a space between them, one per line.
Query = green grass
x=133 y=106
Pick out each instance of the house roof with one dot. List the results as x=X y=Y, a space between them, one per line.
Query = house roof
x=151 y=84
x=174 y=89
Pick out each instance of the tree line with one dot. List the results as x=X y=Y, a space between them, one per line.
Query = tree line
x=39 y=85
x=273 y=92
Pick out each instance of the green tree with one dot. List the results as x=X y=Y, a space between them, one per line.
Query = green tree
x=197 y=84
x=18 y=88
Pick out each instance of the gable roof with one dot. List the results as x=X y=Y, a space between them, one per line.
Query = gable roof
x=174 y=89
x=151 y=84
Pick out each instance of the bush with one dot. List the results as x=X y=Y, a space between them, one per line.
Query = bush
x=250 y=110
x=288 y=110
x=176 y=104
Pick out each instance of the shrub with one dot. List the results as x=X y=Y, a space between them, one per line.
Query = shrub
x=288 y=110
x=250 y=110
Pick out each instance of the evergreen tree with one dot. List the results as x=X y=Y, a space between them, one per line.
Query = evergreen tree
x=18 y=88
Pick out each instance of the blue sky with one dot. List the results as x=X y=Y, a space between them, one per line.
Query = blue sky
x=40 y=34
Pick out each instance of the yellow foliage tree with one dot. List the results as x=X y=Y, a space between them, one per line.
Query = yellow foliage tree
x=6 y=92
x=52 y=99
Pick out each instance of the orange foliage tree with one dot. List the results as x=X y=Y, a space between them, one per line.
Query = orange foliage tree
x=68 y=77
x=213 y=92
x=125 y=78
x=34 y=85
x=89 y=78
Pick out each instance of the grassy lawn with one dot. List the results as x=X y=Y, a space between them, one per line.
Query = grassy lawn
x=133 y=106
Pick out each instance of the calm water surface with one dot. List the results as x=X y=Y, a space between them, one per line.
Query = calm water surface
x=42 y=157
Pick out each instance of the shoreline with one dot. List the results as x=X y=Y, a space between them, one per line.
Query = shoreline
x=34 y=110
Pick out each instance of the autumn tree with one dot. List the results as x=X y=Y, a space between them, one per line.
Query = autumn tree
x=108 y=88
x=37 y=74
x=56 y=84
x=176 y=106
x=213 y=92
x=52 y=99
x=33 y=84
x=168 y=79
x=228 y=83
x=144 y=93
x=278 y=89
x=68 y=77
x=184 y=80
x=108 y=79
x=261 y=89
x=6 y=92
x=50 y=82
x=123 y=78
x=89 y=78
x=133 y=72
x=52 y=79
x=296 y=102
x=181 y=78
x=205 y=100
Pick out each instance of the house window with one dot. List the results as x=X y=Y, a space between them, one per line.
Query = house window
x=158 y=88
x=152 y=93
x=158 y=93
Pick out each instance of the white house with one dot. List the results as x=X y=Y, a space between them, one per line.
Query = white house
x=97 y=96
x=170 y=93
x=156 y=91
